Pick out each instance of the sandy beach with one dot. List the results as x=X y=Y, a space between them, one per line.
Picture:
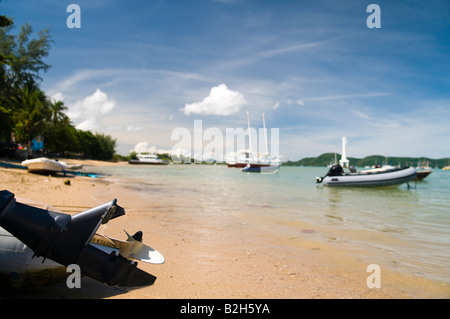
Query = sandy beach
x=205 y=258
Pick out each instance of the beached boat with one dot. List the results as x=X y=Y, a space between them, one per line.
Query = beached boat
x=43 y=165
x=446 y=168
x=34 y=239
x=149 y=159
x=381 y=177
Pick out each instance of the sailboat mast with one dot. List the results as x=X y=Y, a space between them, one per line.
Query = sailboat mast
x=249 y=135
x=265 y=134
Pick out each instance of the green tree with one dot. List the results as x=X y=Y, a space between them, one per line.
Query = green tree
x=21 y=101
x=57 y=109
x=88 y=144
x=60 y=139
x=107 y=146
x=28 y=55
x=6 y=124
x=5 y=59
x=29 y=114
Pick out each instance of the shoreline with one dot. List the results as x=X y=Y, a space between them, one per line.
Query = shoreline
x=206 y=258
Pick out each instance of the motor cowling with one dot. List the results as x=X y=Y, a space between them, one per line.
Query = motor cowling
x=336 y=170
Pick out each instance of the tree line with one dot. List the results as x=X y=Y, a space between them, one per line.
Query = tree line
x=330 y=158
x=26 y=112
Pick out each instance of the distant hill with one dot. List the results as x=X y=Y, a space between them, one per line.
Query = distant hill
x=329 y=158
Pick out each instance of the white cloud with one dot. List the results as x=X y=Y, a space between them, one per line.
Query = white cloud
x=144 y=147
x=220 y=101
x=57 y=97
x=85 y=112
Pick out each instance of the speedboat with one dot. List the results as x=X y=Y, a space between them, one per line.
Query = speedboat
x=382 y=177
x=151 y=159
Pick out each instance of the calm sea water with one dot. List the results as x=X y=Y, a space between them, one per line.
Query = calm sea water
x=407 y=228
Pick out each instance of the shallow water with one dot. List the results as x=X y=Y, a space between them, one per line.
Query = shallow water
x=406 y=228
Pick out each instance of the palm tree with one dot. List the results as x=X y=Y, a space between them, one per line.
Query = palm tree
x=29 y=113
x=57 y=109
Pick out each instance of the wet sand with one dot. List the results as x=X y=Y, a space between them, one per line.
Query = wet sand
x=207 y=258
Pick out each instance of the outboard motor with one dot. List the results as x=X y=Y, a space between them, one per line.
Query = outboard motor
x=335 y=170
x=65 y=239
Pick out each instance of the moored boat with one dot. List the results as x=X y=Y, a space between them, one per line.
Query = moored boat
x=259 y=168
x=150 y=159
x=422 y=173
x=391 y=176
x=262 y=162
x=423 y=170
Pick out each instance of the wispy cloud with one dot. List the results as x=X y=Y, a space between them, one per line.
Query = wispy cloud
x=253 y=55
x=341 y=97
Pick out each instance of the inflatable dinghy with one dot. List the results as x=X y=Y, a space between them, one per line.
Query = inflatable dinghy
x=388 y=177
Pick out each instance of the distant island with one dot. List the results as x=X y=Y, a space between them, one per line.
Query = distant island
x=329 y=158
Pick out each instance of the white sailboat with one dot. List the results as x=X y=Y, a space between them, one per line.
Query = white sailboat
x=263 y=163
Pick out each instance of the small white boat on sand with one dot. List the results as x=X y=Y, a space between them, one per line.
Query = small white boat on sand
x=385 y=177
x=43 y=165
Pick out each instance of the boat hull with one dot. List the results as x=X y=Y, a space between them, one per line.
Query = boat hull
x=390 y=178
x=142 y=162
x=44 y=166
x=148 y=159
x=244 y=164
x=265 y=169
x=422 y=174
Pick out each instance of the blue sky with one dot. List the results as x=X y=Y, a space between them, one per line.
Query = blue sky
x=139 y=69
